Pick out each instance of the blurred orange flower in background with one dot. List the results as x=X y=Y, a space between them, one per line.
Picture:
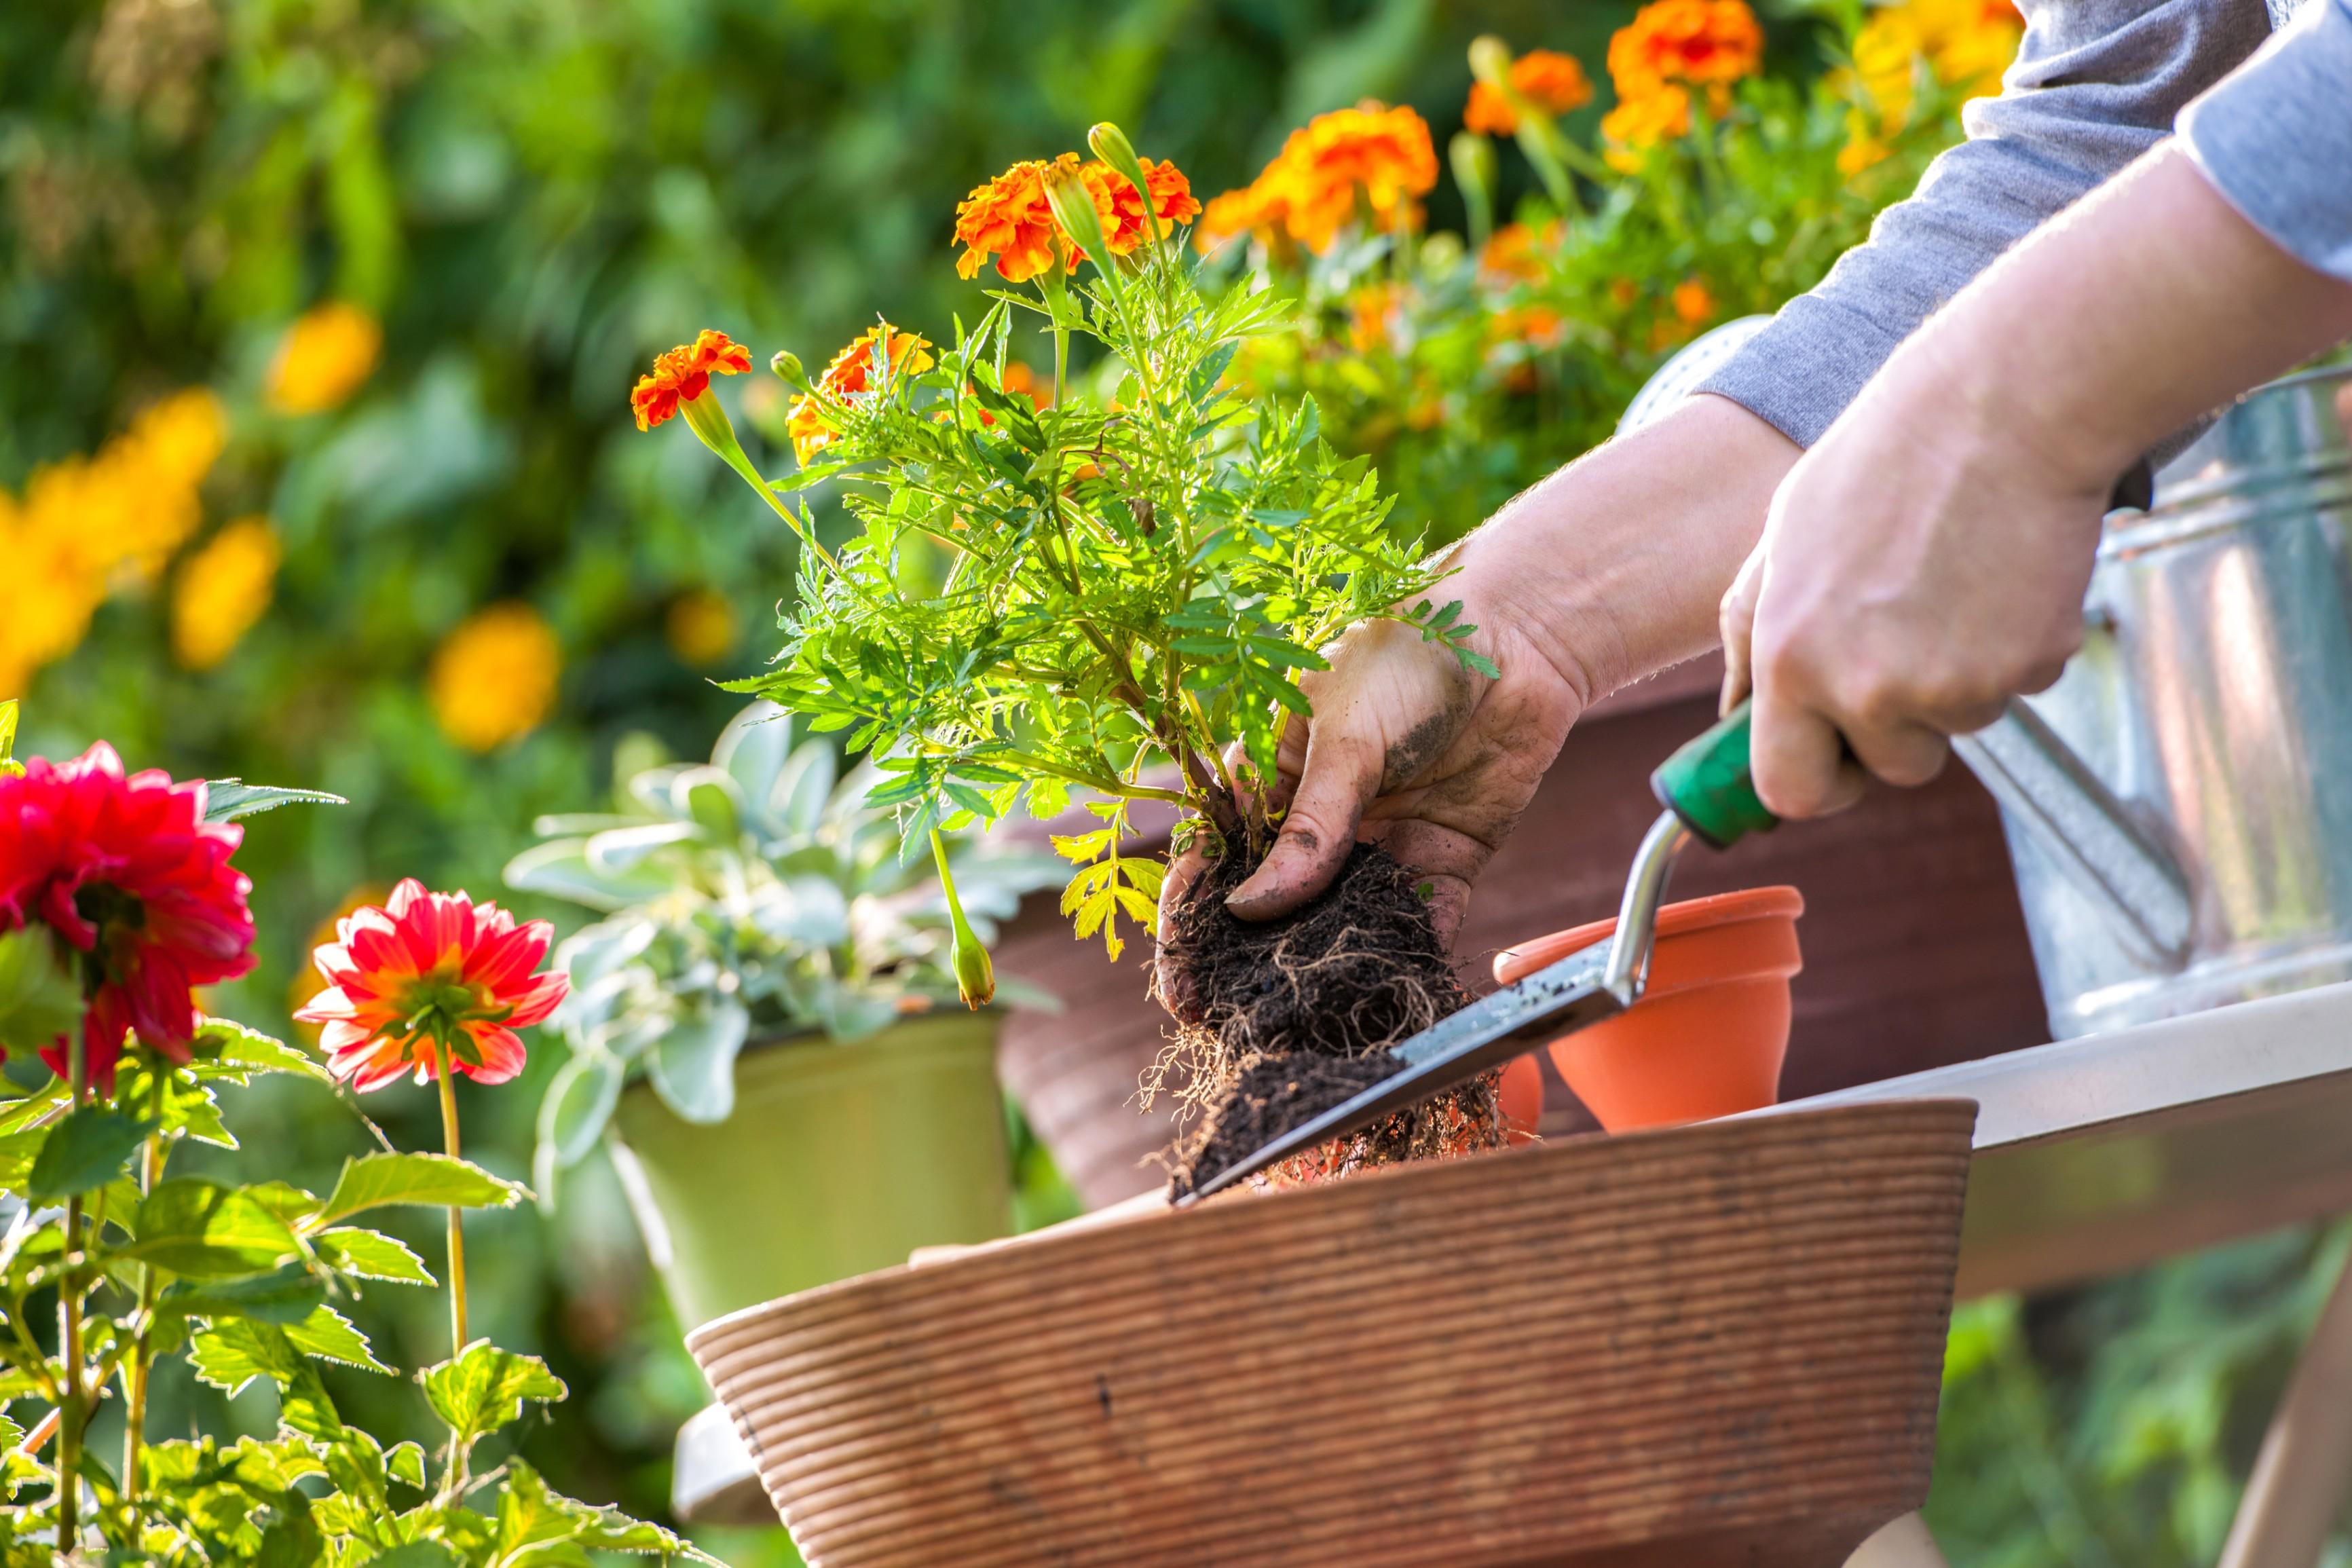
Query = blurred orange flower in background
x=699 y=626
x=682 y=374
x=1370 y=161
x=222 y=589
x=1514 y=252
x=493 y=679
x=1693 y=302
x=1552 y=81
x=853 y=370
x=1668 y=48
x=324 y=357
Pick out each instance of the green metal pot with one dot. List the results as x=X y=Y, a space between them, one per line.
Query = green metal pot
x=839 y=1160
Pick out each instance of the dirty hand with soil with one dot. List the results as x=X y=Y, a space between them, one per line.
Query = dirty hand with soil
x=1291 y=977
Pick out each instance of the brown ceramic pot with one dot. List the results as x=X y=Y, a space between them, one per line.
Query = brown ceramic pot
x=1709 y=1035
x=1708 y=1346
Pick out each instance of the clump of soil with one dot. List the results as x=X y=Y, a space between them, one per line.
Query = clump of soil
x=1281 y=1020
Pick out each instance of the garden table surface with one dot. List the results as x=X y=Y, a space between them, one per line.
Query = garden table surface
x=2098 y=1155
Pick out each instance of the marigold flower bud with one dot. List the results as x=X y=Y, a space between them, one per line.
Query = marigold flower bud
x=1490 y=61
x=788 y=369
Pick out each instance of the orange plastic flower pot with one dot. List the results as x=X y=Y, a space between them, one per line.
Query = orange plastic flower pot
x=1709 y=1033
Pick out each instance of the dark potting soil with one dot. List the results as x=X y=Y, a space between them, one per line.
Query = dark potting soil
x=1285 y=1019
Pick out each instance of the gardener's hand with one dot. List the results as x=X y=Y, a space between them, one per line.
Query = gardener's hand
x=1926 y=561
x=1606 y=572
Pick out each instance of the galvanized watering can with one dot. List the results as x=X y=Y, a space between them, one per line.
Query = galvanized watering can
x=2178 y=806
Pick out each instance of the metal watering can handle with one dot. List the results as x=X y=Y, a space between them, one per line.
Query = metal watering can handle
x=2108 y=856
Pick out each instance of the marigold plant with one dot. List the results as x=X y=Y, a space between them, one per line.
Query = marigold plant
x=1101 y=594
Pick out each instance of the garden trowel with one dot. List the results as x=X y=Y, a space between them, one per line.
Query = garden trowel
x=1708 y=795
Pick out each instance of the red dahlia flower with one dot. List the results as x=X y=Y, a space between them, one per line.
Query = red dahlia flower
x=128 y=873
x=425 y=973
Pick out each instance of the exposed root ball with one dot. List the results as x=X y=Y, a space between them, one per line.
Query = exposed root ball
x=1290 y=1017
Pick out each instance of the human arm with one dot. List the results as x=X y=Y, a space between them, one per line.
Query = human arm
x=1926 y=559
x=2095 y=84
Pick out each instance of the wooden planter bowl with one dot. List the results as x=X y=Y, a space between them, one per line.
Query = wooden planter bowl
x=1719 y=1344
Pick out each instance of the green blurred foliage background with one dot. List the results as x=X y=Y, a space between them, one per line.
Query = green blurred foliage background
x=534 y=196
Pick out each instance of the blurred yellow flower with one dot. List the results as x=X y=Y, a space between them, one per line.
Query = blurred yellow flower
x=1966 y=44
x=701 y=626
x=1637 y=124
x=223 y=588
x=323 y=358
x=494 y=677
x=87 y=525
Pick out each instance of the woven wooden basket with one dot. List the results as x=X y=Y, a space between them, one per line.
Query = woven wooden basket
x=1715 y=1345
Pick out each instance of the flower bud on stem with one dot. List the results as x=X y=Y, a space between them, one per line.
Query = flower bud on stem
x=975 y=975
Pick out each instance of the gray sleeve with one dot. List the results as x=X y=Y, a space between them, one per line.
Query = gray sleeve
x=2275 y=139
x=2095 y=84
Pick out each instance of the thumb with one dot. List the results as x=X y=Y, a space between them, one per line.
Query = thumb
x=1341 y=774
x=1737 y=621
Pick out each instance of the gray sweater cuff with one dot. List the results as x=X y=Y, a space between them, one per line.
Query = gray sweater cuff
x=2275 y=139
x=1799 y=373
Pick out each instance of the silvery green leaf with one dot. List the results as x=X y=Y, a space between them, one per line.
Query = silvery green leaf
x=625 y=849
x=693 y=1066
x=559 y=868
x=650 y=788
x=753 y=748
x=579 y=1104
x=806 y=910
x=802 y=786
x=711 y=797
x=848 y=1014
x=593 y=953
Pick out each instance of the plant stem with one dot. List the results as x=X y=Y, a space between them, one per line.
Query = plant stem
x=72 y=1416
x=135 y=1369
x=442 y=1059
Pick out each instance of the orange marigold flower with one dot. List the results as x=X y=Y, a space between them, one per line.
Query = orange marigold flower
x=1514 y=253
x=1694 y=302
x=1551 y=80
x=1121 y=208
x=851 y=373
x=1009 y=218
x=1672 y=45
x=681 y=374
x=1370 y=158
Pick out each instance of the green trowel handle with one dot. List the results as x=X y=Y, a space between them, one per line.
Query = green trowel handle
x=1708 y=784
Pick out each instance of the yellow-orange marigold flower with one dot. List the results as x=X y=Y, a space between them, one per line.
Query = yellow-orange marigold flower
x=494 y=679
x=682 y=374
x=1514 y=253
x=1643 y=122
x=221 y=590
x=1551 y=80
x=1968 y=44
x=1696 y=43
x=852 y=372
x=324 y=357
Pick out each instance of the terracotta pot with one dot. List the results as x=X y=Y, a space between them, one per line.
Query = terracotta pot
x=1709 y=1035
x=1521 y=1095
x=1718 y=1346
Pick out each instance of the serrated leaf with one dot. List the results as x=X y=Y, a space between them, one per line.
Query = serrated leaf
x=85 y=1150
x=231 y=1355
x=376 y=1180
x=202 y=1229
x=329 y=1335
x=225 y=800
x=224 y=1044
x=485 y=1388
x=288 y=1295
x=369 y=1255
